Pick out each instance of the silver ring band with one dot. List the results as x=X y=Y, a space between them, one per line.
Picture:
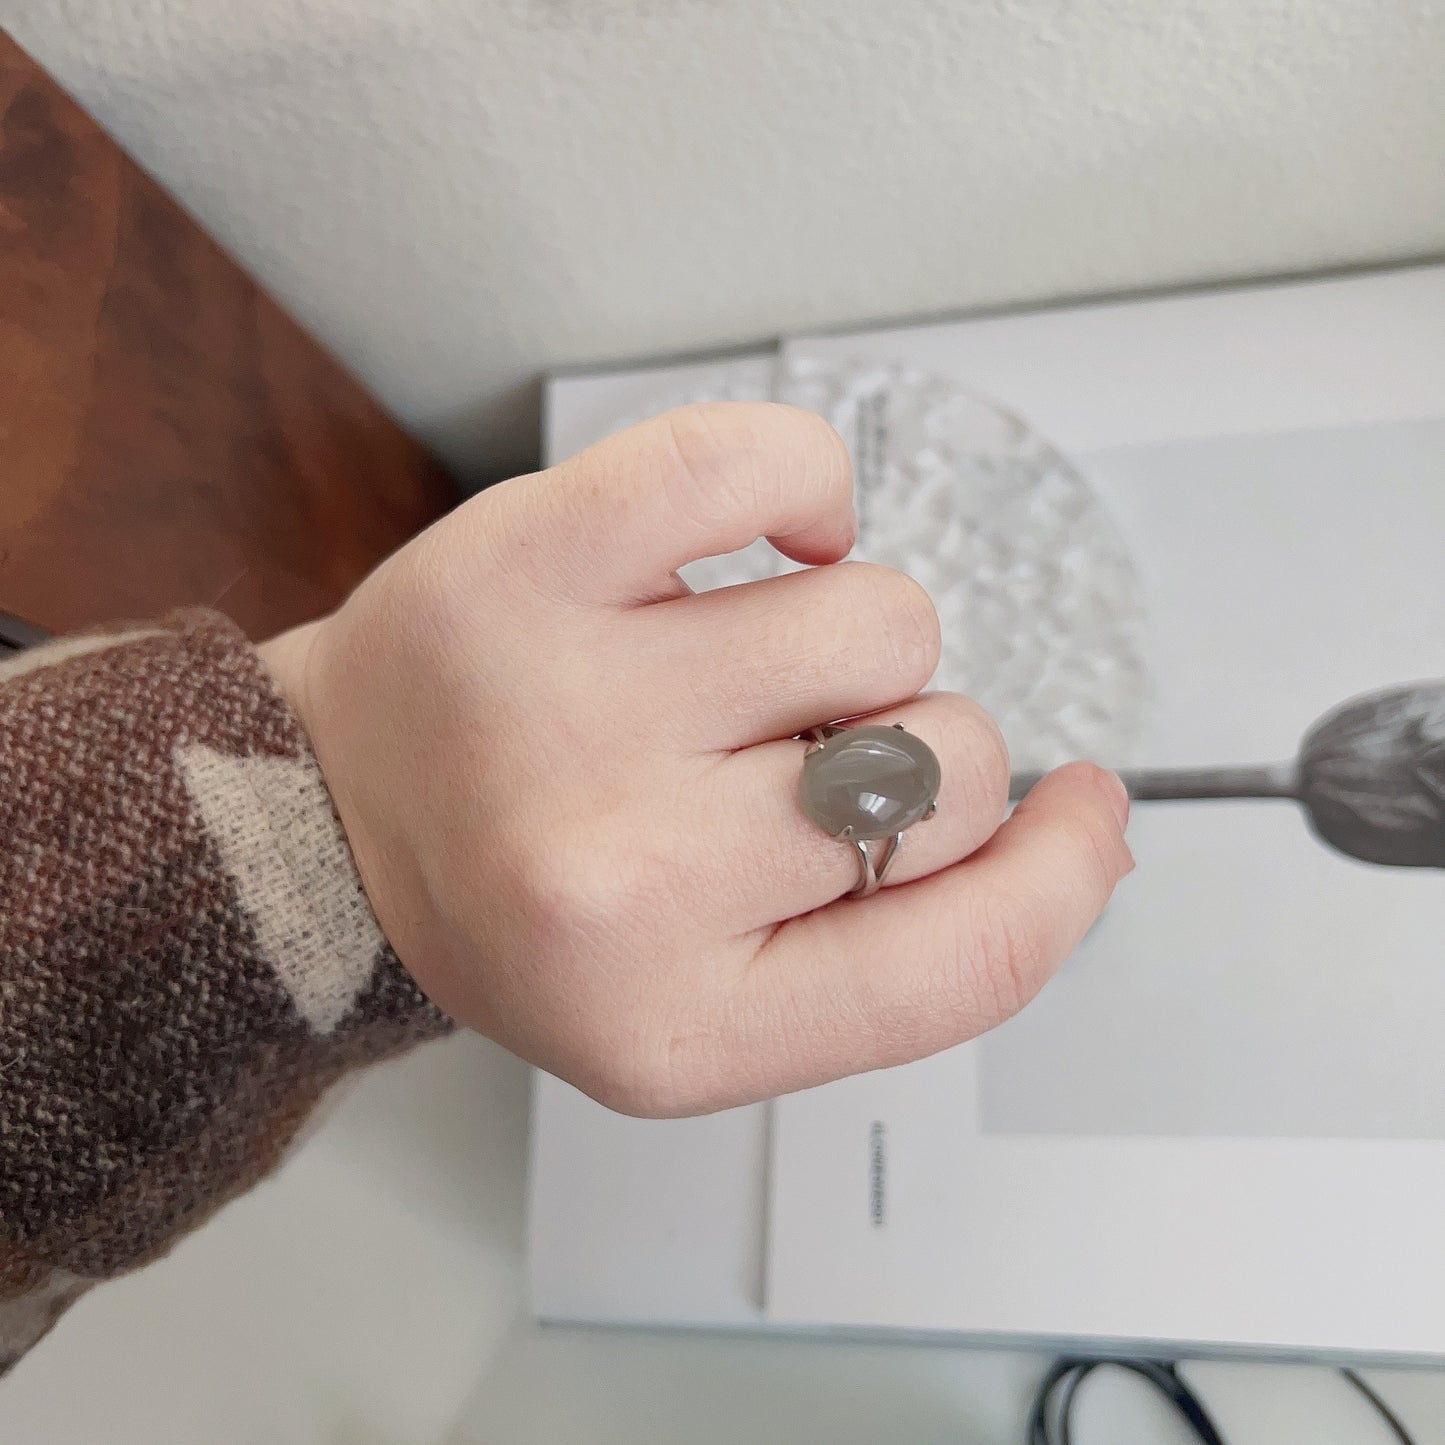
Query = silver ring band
x=872 y=866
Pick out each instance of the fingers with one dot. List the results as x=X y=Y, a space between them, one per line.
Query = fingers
x=619 y=519
x=792 y=866
x=872 y=983
x=769 y=659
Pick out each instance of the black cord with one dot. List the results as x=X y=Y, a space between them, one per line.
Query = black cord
x=1072 y=1381
x=1051 y=1418
x=1391 y=1419
x=1051 y=1422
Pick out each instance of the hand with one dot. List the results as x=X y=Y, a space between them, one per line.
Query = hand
x=571 y=785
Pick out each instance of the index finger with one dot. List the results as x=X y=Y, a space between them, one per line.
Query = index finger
x=866 y=984
x=619 y=519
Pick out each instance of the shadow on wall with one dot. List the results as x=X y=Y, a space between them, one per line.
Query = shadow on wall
x=467 y=436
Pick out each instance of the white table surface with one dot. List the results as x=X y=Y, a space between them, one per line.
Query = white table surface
x=372 y=1294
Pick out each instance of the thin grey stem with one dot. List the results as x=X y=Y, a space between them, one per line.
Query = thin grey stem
x=1146 y=785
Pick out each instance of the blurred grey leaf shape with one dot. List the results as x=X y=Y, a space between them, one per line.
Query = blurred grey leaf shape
x=1370 y=776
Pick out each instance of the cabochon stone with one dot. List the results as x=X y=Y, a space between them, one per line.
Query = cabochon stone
x=876 y=780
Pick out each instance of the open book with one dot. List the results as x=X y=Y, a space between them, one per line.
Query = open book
x=1224 y=1123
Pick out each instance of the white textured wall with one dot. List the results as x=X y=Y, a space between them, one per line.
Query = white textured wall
x=457 y=194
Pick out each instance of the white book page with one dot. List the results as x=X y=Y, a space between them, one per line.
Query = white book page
x=1224 y=1121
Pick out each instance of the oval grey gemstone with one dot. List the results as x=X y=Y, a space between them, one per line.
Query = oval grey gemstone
x=876 y=780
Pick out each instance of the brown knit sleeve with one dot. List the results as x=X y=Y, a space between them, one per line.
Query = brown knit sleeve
x=187 y=960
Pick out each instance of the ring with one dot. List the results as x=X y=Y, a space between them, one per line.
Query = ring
x=865 y=786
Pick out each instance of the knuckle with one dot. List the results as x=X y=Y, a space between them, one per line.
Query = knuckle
x=977 y=757
x=904 y=614
x=712 y=447
x=914 y=632
x=815 y=440
x=788 y=432
x=730 y=453
x=699 y=436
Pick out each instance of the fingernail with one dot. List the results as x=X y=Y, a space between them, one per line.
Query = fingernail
x=1118 y=796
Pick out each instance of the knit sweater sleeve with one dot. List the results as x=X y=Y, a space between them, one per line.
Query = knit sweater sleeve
x=187 y=959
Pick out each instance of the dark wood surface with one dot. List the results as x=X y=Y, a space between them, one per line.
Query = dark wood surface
x=168 y=435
